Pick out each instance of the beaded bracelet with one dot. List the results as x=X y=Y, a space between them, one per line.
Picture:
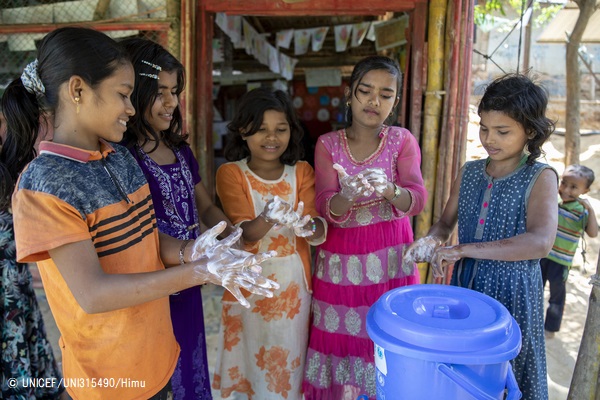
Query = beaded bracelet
x=182 y=250
x=313 y=227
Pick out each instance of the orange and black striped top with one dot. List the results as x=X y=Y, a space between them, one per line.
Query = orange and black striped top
x=67 y=195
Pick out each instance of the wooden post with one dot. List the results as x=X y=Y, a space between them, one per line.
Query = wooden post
x=573 y=117
x=433 y=110
x=101 y=9
x=586 y=376
x=417 y=67
x=202 y=140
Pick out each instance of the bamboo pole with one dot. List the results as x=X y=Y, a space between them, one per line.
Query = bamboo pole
x=465 y=88
x=101 y=9
x=432 y=114
x=451 y=103
x=174 y=34
x=447 y=135
x=418 y=66
x=584 y=384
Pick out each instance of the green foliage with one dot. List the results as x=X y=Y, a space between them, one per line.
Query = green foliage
x=490 y=8
x=547 y=14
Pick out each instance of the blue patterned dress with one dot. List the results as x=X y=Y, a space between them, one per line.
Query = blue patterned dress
x=26 y=353
x=491 y=209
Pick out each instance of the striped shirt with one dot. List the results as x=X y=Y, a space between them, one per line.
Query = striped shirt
x=572 y=220
x=67 y=195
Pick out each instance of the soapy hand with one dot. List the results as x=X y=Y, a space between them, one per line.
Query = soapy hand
x=279 y=212
x=301 y=227
x=444 y=256
x=377 y=178
x=208 y=240
x=352 y=186
x=218 y=262
x=422 y=250
x=235 y=269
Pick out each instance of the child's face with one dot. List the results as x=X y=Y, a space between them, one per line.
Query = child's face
x=571 y=187
x=502 y=137
x=375 y=98
x=161 y=114
x=272 y=138
x=105 y=110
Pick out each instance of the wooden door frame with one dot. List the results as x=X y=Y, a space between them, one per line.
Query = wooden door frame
x=200 y=55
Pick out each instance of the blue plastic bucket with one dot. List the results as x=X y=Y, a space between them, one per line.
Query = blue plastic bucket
x=443 y=342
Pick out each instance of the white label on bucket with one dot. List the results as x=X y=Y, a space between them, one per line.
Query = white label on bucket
x=380 y=362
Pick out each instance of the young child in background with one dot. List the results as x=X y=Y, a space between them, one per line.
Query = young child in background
x=368 y=184
x=575 y=216
x=180 y=199
x=507 y=213
x=262 y=349
x=83 y=212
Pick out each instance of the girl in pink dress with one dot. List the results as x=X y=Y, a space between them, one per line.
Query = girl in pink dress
x=368 y=184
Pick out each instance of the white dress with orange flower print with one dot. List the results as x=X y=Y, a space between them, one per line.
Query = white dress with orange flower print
x=261 y=350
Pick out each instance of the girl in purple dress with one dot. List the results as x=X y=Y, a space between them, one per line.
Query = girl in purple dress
x=180 y=199
x=368 y=184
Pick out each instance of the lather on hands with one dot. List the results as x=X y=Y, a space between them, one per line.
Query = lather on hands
x=219 y=263
x=353 y=186
x=377 y=178
x=422 y=250
x=281 y=213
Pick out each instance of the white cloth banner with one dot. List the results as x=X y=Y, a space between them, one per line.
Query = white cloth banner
x=287 y=65
x=318 y=37
x=249 y=38
x=273 y=58
x=359 y=31
x=284 y=38
x=231 y=25
x=301 y=41
x=342 y=35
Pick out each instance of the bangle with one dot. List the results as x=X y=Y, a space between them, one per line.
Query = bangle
x=267 y=219
x=397 y=192
x=182 y=250
x=334 y=214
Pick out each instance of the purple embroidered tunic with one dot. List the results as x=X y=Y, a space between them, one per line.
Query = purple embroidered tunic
x=172 y=188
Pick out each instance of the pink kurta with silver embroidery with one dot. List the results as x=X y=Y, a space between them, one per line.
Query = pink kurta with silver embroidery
x=360 y=260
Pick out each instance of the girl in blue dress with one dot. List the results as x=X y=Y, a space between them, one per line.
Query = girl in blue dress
x=505 y=206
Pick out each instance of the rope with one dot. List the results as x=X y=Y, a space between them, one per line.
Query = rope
x=489 y=57
x=520 y=35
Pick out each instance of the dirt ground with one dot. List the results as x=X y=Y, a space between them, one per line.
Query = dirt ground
x=561 y=351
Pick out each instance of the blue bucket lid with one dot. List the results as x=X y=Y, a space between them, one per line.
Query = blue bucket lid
x=444 y=323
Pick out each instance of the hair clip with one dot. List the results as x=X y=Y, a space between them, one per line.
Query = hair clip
x=153 y=76
x=156 y=67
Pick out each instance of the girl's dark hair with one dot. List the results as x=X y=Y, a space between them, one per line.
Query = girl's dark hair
x=369 y=64
x=249 y=118
x=517 y=96
x=145 y=93
x=61 y=54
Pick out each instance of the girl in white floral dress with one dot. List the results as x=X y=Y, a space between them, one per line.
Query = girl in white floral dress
x=265 y=190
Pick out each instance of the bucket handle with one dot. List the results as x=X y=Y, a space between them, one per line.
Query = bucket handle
x=463 y=382
x=511 y=383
